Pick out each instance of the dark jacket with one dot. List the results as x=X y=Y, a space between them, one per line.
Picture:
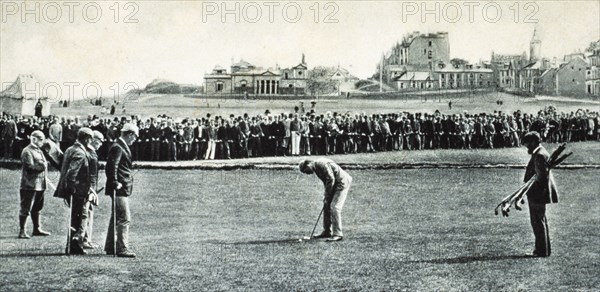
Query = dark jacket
x=543 y=190
x=75 y=173
x=118 y=169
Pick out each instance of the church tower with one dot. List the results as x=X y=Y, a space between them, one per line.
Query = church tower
x=535 y=47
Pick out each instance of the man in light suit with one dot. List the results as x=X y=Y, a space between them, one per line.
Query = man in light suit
x=33 y=184
x=543 y=191
x=119 y=186
x=337 y=184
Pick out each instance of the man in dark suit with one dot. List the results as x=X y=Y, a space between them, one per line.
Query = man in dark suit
x=119 y=186
x=33 y=184
x=75 y=185
x=543 y=191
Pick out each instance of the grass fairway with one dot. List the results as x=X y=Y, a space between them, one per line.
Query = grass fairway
x=425 y=230
x=179 y=106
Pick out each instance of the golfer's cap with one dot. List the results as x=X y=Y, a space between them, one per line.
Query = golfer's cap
x=303 y=164
x=129 y=127
x=38 y=134
x=98 y=135
x=532 y=136
x=85 y=130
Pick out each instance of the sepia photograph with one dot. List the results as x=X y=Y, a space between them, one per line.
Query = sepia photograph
x=369 y=145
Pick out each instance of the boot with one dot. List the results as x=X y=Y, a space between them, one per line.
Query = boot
x=22 y=234
x=37 y=230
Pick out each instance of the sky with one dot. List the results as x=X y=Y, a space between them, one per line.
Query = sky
x=118 y=45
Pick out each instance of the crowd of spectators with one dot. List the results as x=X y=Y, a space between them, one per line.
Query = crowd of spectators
x=165 y=138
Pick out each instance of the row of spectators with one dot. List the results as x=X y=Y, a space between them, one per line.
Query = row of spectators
x=164 y=138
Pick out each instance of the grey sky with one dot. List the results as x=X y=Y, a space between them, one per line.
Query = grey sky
x=171 y=40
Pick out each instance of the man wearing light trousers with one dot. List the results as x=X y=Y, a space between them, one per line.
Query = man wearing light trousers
x=337 y=184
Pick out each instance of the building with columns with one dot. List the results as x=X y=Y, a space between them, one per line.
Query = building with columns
x=246 y=78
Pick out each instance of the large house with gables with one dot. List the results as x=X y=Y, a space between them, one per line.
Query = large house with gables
x=245 y=78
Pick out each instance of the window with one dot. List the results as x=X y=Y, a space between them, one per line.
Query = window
x=424 y=51
x=291 y=86
x=286 y=75
x=243 y=83
x=443 y=75
x=430 y=43
x=430 y=55
x=299 y=73
x=219 y=86
x=422 y=85
x=401 y=84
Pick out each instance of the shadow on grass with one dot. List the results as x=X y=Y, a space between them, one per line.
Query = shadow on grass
x=471 y=259
x=42 y=254
x=268 y=241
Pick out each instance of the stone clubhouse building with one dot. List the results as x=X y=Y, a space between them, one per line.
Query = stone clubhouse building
x=245 y=77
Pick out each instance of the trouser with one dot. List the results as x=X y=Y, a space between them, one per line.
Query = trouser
x=186 y=151
x=332 y=209
x=210 y=150
x=331 y=144
x=171 y=151
x=224 y=150
x=8 y=148
x=304 y=145
x=255 y=145
x=80 y=208
x=314 y=146
x=154 y=151
x=123 y=219
x=244 y=148
x=416 y=141
x=539 y=224
x=90 y=226
x=295 y=143
x=27 y=198
x=195 y=150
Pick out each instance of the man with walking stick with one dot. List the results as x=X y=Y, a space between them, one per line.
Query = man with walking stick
x=337 y=184
x=75 y=186
x=119 y=185
x=95 y=144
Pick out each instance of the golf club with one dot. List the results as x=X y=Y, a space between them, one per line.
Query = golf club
x=69 y=227
x=114 y=218
x=318 y=218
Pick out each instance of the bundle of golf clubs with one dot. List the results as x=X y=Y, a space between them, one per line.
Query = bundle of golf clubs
x=516 y=198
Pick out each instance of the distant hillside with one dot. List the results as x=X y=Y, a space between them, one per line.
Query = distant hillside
x=162 y=86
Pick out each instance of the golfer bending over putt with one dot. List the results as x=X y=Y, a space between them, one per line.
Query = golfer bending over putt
x=337 y=184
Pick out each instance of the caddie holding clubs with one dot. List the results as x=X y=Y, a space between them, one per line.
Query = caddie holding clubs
x=337 y=184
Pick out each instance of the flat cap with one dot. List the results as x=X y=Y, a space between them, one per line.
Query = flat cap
x=129 y=127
